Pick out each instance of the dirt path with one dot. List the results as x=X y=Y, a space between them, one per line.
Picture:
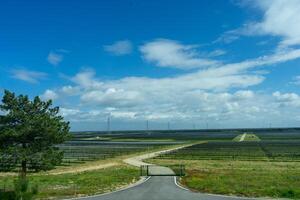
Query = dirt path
x=243 y=137
x=84 y=168
x=137 y=161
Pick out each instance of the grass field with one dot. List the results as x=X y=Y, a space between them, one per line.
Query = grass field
x=79 y=184
x=258 y=166
x=242 y=178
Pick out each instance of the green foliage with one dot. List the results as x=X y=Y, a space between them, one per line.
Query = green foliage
x=29 y=131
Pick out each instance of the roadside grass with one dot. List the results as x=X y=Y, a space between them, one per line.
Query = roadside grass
x=248 y=137
x=241 y=178
x=79 y=184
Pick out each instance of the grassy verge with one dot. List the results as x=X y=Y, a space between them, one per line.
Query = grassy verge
x=242 y=178
x=79 y=184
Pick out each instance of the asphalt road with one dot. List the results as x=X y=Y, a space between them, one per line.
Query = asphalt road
x=158 y=188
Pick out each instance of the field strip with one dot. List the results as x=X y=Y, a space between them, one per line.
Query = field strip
x=75 y=169
x=84 y=168
x=139 y=182
x=137 y=161
x=243 y=137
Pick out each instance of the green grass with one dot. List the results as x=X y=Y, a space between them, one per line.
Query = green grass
x=242 y=178
x=81 y=184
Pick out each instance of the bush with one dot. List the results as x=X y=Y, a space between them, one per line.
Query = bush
x=288 y=194
x=7 y=195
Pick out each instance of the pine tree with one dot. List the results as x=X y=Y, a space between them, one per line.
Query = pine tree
x=29 y=133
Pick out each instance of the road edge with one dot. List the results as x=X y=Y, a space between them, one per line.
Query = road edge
x=139 y=182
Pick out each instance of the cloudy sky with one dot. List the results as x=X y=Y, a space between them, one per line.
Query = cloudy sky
x=194 y=64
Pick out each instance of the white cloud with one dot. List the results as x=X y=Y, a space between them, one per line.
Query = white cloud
x=55 y=58
x=215 y=53
x=201 y=94
x=123 y=114
x=28 y=75
x=296 y=80
x=70 y=90
x=287 y=99
x=86 y=79
x=170 y=53
x=279 y=56
x=49 y=94
x=244 y=94
x=119 y=48
x=280 y=18
x=112 y=97
x=231 y=109
x=68 y=112
x=178 y=95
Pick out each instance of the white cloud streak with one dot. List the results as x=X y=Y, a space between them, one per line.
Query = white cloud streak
x=55 y=58
x=280 y=18
x=119 y=48
x=170 y=53
x=49 y=95
x=28 y=75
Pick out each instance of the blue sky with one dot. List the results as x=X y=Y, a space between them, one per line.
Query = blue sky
x=225 y=63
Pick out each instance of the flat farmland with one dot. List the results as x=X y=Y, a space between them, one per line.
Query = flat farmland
x=262 y=150
x=84 y=150
x=168 y=135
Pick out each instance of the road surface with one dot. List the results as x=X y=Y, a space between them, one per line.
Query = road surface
x=158 y=188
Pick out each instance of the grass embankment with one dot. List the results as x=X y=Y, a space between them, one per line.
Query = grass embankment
x=79 y=184
x=246 y=137
x=242 y=178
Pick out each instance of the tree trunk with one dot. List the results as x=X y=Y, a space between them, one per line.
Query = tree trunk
x=24 y=168
x=24 y=163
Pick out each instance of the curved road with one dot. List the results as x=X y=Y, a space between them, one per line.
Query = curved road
x=158 y=188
